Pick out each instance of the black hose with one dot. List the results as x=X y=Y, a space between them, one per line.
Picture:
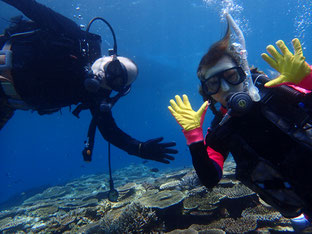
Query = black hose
x=110 y=27
x=112 y=193
x=111 y=183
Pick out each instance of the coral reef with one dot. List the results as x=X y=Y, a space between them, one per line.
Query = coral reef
x=135 y=218
x=171 y=185
x=240 y=225
x=149 y=201
x=207 y=202
x=234 y=191
x=190 y=180
x=161 y=199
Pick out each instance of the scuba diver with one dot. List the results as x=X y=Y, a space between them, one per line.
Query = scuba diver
x=48 y=62
x=266 y=129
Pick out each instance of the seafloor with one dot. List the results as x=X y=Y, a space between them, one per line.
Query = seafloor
x=150 y=201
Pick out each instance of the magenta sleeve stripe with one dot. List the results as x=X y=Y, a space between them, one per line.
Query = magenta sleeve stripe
x=216 y=156
x=306 y=83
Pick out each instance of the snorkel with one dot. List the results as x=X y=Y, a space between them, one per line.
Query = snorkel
x=240 y=47
x=240 y=103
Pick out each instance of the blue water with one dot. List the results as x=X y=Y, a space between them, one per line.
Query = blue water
x=166 y=38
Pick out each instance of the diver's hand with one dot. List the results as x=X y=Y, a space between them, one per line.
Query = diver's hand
x=292 y=67
x=184 y=114
x=154 y=150
x=188 y=119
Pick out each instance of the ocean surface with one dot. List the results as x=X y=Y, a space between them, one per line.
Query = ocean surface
x=166 y=38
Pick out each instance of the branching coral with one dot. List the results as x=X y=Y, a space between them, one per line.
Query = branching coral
x=190 y=180
x=230 y=225
x=134 y=219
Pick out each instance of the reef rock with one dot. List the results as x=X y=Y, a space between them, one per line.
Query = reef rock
x=149 y=201
x=171 y=185
x=161 y=199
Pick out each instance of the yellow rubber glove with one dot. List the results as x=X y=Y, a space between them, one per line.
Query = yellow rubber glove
x=292 y=67
x=184 y=114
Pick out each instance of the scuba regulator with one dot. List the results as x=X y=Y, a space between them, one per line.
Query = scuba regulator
x=238 y=104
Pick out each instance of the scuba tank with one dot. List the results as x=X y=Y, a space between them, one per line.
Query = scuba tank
x=288 y=109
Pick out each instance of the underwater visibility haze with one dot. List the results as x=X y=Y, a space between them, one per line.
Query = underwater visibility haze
x=166 y=39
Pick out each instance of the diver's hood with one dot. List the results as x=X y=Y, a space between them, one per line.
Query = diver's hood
x=115 y=75
x=111 y=72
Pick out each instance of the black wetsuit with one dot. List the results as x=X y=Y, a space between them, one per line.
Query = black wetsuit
x=268 y=160
x=49 y=64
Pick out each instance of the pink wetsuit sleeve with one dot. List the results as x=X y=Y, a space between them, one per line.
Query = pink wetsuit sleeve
x=216 y=156
x=306 y=83
x=207 y=162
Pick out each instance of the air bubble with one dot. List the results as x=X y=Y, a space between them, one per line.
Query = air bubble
x=231 y=7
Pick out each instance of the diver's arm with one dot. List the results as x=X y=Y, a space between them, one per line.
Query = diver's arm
x=110 y=131
x=153 y=149
x=207 y=163
x=208 y=171
x=46 y=17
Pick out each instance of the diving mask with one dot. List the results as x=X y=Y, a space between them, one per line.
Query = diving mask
x=116 y=75
x=233 y=76
x=111 y=72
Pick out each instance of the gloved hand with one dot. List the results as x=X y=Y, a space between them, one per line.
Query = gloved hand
x=188 y=119
x=292 y=67
x=154 y=150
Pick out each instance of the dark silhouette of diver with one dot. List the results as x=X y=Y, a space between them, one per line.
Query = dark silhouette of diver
x=48 y=62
